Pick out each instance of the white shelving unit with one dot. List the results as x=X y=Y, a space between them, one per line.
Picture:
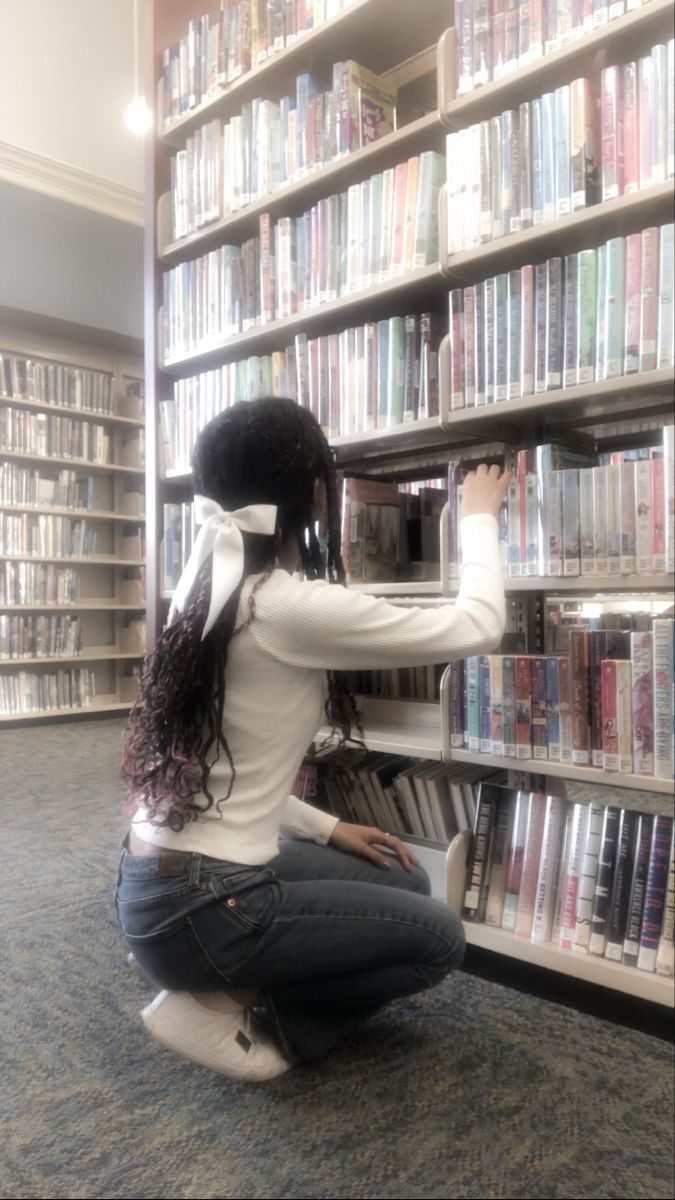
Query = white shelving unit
x=110 y=604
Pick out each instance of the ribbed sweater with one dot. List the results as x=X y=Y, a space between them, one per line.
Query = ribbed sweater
x=276 y=689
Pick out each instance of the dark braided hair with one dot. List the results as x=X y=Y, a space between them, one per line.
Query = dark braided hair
x=267 y=451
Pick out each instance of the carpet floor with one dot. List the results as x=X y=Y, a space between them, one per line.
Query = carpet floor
x=470 y=1090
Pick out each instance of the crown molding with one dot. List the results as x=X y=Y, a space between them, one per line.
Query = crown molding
x=71 y=184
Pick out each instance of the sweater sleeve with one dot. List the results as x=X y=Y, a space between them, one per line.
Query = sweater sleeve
x=304 y=821
x=322 y=626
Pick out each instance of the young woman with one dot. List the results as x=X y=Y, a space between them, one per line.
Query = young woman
x=267 y=952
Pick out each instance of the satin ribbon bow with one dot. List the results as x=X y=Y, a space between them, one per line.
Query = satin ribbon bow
x=220 y=537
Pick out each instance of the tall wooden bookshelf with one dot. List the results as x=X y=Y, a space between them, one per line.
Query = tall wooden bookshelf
x=107 y=596
x=413 y=43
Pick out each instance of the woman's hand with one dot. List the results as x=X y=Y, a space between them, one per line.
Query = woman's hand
x=364 y=840
x=483 y=490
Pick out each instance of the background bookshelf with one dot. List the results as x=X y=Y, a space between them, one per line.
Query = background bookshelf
x=72 y=530
x=603 y=416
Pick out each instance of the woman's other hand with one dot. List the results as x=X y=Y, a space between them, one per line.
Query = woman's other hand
x=365 y=840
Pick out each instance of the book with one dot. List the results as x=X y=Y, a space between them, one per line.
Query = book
x=588 y=873
x=638 y=885
x=603 y=880
x=669 y=480
x=631 y=148
x=571 y=874
x=665 y=957
x=548 y=869
x=514 y=865
x=611 y=108
x=580 y=696
x=478 y=868
x=643 y=516
x=662 y=635
x=586 y=316
x=539 y=711
x=665 y=351
x=534 y=829
x=523 y=707
x=509 y=705
x=501 y=841
x=621 y=884
x=655 y=892
x=643 y=703
x=370 y=529
x=650 y=299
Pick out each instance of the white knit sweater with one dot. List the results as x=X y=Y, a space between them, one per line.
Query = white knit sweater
x=275 y=689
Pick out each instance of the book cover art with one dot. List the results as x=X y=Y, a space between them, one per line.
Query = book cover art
x=370 y=523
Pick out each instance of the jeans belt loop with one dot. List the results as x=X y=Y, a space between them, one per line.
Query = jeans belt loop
x=194 y=869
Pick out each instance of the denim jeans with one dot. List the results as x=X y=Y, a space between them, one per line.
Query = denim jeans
x=328 y=937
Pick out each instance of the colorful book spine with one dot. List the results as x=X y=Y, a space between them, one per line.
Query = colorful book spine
x=496 y=705
x=600 y=519
x=628 y=517
x=553 y=707
x=611 y=110
x=501 y=841
x=523 y=707
x=527 y=323
x=470 y=347
x=549 y=863
x=457 y=668
x=646 y=115
x=665 y=956
x=613 y=472
x=456 y=350
x=603 y=880
x=514 y=866
x=658 y=517
x=669 y=479
x=666 y=313
x=553 y=509
x=586 y=889
x=586 y=316
x=479 y=861
x=655 y=892
x=643 y=516
x=565 y=693
x=601 y=312
x=649 y=315
x=571 y=875
x=597 y=651
x=548 y=156
x=631 y=147
x=539 y=715
x=643 y=703
x=624 y=715
x=587 y=521
x=632 y=303
x=615 y=308
x=638 y=887
x=473 y=703
x=485 y=704
x=570 y=317
x=659 y=114
x=563 y=152
x=515 y=338
x=509 y=705
x=554 y=324
x=571 y=518
x=621 y=883
x=579 y=680
x=610 y=732
x=662 y=633
x=531 y=853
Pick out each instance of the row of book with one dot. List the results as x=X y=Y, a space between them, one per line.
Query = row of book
x=380 y=228
x=608 y=703
x=271 y=143
x=39 y=637
x=388 y=530
x=496 y=37
x=569 y=514
x=592 y=879
x=402 y=683
x=590 y=316
x=37 y=486
x=26 y=691
x=225 y=44
x=49 y=435
x=405 y=795
x=366 y=377
x=562 y=152
x=46 y=536
x=180 y=531
x=37 y=583
x=24 y=378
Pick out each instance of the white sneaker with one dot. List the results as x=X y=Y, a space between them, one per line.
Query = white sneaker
x=225 y=1042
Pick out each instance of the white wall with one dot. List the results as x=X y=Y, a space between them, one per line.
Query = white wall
x=66 y=77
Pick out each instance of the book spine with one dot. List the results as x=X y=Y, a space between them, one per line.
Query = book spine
x=631 y=147
x=539 y=715
x=501 y=841
x=666 y=312
x=609 y=717
x=489 y=288
x=597 y=651
x=669 y=478
x=527 y=323
x=514 y=865
x=501 y=338
x=638 y=887
x=457 y=703
x=564 y=688
x=456 y=350
x=665 y=956
x=479 y=327
x=553 y=707
x=537 y=135
x=485 y=704
x=473 y=703
x=496 y=703
x=600 y=519
x=620 y=894
x=655 y=892
x=540 y=327
x=586 y=316
x=643 y=703
x=523 y=707
x=563 y=154
x=601 y=312
x=571 y=875
x=525 y=165
x=515 y=339
x=603 y=880
x=570 y=318
x=643 y=516
x=549 y=865
x=464 y=27
x=670 y=120
x=479 y=862
x=658 y=517
x=469 y=345
x=611 y=109
x=554 y=324
x=587 y=521
x=628 y=517
x=589 y=868
x=624 y=715
x=662 y=633
x=579 y=680
x=632 y=303
x=614 y=343
x=649 y=317
x=571 y=518
x=548 y=156
x=553 y=507
x=531 y=852
x=509 y=705
x=659 y=114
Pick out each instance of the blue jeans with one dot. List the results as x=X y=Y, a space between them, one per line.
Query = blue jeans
x=328 y=937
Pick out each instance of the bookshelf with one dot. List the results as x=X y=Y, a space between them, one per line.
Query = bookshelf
x=604 y=415
x=76 y=651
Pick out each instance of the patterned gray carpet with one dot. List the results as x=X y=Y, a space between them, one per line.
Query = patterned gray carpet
x=472 y=1090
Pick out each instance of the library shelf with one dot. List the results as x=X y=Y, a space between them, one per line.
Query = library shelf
x=66 y=410
x=357 y=28
x=93 y=605
x=87 y=654
x=399 y=587
x=539 y=766
x=624 y=398
x=93 y=514
x=424 y=133
x=626 y=36
x=100 y=705
x=74 y=463
x=581 y=230
x=422 y=286
x=94 y=560
x=408 y=727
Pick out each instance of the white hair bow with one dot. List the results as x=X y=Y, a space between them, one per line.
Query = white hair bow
x=220 y=536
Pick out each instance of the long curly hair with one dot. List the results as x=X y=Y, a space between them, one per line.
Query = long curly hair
x=267 y=451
